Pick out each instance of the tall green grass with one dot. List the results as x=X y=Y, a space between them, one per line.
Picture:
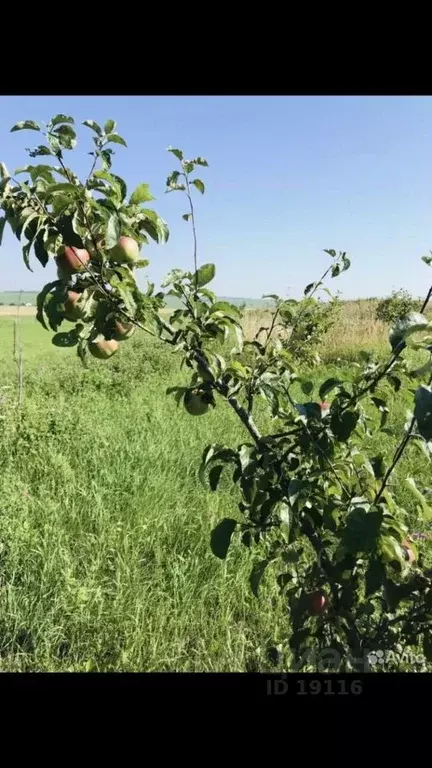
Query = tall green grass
x=105 y=561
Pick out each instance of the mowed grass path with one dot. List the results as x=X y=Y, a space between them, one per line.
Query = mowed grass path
x=105 y=561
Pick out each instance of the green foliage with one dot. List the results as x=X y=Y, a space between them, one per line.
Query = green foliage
x=312 y=320
x=395 y=306
x=313 y=498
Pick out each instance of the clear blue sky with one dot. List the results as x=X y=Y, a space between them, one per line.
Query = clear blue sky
x=288 y=177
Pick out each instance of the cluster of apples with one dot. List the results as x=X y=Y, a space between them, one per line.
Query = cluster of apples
x=70 y=261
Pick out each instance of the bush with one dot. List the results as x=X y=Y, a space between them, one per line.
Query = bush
x=314 y=320
x=398 y=304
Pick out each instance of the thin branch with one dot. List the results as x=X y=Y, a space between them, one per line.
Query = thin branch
x=398 y=453
x=189 y=196
x=400 y=348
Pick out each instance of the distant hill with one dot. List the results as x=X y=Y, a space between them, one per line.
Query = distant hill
x=29 y=297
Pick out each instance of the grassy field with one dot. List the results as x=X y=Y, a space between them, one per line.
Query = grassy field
x=105 y=561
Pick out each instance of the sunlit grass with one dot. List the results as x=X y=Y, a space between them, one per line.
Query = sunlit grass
x=105 y=561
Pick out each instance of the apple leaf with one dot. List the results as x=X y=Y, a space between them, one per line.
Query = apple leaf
x=109 y=126
x=116 y=139
x=177 y=152
x=256 y=575
x=25 y=125
x=141 y=194
x=220 y=539
x=423 y=411
x=199 y=185
x=112 y=231
x=62 y=119
x=204 y=275
x=93 y=125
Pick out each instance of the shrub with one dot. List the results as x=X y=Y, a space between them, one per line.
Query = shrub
x=395 y=306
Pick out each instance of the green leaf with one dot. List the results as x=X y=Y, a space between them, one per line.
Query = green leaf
x=306 y=386
x=236 y=368
x=116 y=182
x=141 y=194
x=40 y=250
x=199 y=185
x=112 y=231
x=256 y=575
x=154 y=225
x=374 y=577
x=40 y=150
x=204 y=275
x=362 y=530
x=214 y=476
x=343 y=424
x=427 y=260
x=106 y=158
x=116 y=139
x=283 y=511
x=328 y=386
x=239 y=338
x=93 y=125
x=4 y=173
x=346 y=262
x=226 y=307
x=66 y=339
x=200 y=161
x=2 y=226
x=26 y=255
x=186 y=216
x=109 y=126
x=40 y=302
x=423 y=411
x=177 y=152
x=62 y=119
x=66 y=135
x=221 y=537
x=42 y=172
x=309 y=288
x=406 y=326
x=62 y=187
x=25 y=125
x=378 y=466
x=294 y=489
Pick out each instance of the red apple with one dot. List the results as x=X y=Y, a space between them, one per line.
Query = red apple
x=123 y=330
x=71 y=260
x=103 y=348
x=408 y=551
x=72 y=311
x=126 y=251
x=317 y=602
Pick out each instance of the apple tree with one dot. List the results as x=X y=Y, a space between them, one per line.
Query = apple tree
x=319 y=509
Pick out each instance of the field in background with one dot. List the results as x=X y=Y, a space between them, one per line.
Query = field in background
x=105 y=561
x=357 y=325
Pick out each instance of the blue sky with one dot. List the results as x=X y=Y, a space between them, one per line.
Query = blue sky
x=288 y=177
